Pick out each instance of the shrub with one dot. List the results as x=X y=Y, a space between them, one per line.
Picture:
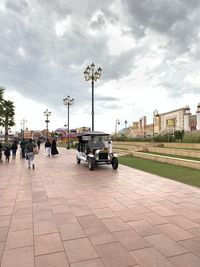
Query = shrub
x=191 y=137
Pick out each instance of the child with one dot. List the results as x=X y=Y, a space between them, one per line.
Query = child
x=7 y=154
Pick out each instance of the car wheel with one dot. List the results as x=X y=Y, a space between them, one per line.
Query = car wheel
x=115 y=163
x=91 y=164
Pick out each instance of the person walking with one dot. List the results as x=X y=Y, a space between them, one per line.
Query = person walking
x=1 y=152
x=23 y=147
x=54 y=150
x=30 y=153
x=48 y=147
x=7 y=154
x=14 y=149
x=38 y=144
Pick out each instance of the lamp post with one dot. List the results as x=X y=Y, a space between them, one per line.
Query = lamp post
x=23 y=122
x=68 y=102
x=125 y=122
x=47 y=114
x=155 y=114
x=91 y=74
x=116 y=123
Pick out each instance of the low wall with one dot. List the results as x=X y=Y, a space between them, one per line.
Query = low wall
x=178 y=152
x=164 y=159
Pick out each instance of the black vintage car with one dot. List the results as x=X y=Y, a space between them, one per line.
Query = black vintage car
x=93 y=148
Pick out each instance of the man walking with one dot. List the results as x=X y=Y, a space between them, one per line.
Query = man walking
x=30 y=153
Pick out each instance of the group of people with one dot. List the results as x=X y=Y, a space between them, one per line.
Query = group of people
x=28 y=150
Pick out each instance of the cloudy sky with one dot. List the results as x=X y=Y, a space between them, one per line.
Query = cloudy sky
x=149 y=52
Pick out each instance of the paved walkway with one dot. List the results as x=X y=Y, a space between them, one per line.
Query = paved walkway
x=63 y=215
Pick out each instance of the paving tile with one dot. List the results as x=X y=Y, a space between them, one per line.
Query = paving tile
x=115 y=224
x=131 y=240
x=2 y=245
x=155 y=219
x=114 y=255
x=150 y=257
x=19 y=239
x=166 y=245
x=3 y=233
x=128 y=215
x=6 y=211
x=89 y=221
x=175 y=232
x=61 y=208
x=162 y=211
x=185 y=260
x=183 y=222
x=89 y=263
x=19 y=257
x=65 y=218
x=79 y=250
x=99 y=235
x=195 y=232
x=5 y=220
x=47 y=244
x=104 y=213
x=58 y=259
x=116 y=206
x=45 y=227
x=193 y=245
x=71 y=231
x=138 y=208
x=22 y=223
x=43 y=215
x=144 y=228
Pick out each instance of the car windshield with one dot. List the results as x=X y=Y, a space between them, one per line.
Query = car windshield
x=98 y=142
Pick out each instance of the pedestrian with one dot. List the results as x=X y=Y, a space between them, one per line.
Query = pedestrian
x=23 y=147
x=38 y=143
x=54 y=150
x=30 y=153
x=48 y=147
x=1 y=152
x=14 y=148
x=110 y=146
x=7 y=153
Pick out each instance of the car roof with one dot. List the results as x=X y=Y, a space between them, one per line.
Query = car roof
x=92 y=133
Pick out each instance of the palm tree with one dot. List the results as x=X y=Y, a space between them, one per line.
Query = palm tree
x=7 y=117
x=1 y=101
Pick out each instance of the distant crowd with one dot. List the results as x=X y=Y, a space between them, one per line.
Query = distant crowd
x=28 y=149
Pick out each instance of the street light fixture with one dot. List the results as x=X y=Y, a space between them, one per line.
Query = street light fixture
x=116 y=123
x=155 y=114
x=47 y=114
x=91 y=74
x=68 y=102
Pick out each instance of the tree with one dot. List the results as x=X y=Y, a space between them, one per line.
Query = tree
x=7 y=117
x=1 y=102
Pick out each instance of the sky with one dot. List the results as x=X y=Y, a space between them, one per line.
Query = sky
x=148 y=50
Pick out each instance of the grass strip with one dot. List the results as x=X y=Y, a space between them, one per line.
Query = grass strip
x=177 y=173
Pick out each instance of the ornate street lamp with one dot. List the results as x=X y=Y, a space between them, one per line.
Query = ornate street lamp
x=68 y=102
x=155 y=114
x=91 y=74
x=116 y=123
x=47 y=114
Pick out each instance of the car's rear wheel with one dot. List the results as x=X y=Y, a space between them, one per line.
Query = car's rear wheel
x=115 y=163
x=91 y=164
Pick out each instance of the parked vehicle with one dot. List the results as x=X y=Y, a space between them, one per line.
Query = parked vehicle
x=93 y=149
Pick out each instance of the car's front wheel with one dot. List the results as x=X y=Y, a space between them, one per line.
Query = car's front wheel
x=91 y=164
x=115 y=163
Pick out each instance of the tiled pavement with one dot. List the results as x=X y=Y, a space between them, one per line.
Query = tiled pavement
x=63 y=215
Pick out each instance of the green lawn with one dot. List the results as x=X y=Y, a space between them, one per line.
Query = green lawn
x=177 y=173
